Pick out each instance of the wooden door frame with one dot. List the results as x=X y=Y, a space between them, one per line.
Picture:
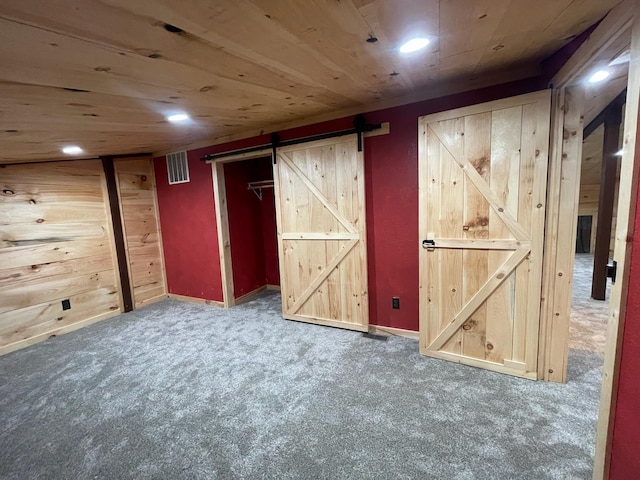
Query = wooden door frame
x=563 y=189
x=564 y=171
x=222 y=220
x=627 y=197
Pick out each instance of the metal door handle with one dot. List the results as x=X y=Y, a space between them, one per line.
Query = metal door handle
x=612 y=270
x=429 y=244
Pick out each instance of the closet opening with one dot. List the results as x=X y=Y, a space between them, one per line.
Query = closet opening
x=252 y=238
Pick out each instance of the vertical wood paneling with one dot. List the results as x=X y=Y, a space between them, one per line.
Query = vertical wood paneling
x=564 y=186
x=476 y=226
x=328 y=176
x=55 y=244
x=138 y=206
x=505 y=168
x=300 y=217
x=525 y=209
x=430 y=185
x=319 y=169
x=361 y=306
x=451 y=210
x=535 y=145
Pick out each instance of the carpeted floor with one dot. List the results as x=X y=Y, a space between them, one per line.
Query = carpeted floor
x=588 y=316
x=178 y=390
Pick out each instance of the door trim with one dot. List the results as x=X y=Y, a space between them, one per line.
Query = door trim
x=623 y=17
x=565 y=159
x=626 y=216
x=224 y=239
x=222 y=220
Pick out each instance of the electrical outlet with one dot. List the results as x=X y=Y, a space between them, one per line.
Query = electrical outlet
x=395 y=302
x=66 y=304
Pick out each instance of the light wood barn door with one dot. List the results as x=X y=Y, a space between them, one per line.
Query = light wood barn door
x=320 y=210
x=483 y=176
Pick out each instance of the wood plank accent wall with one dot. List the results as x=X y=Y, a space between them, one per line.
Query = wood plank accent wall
x=139 y=210
x=56 y=243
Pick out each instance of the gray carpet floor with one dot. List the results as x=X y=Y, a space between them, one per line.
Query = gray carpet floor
x=183 y=391
x=589 y=317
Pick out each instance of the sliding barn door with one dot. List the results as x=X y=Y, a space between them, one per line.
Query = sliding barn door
x=483 y=175
x=320 y=211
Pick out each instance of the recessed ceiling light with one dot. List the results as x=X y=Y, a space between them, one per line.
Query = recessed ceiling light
x=414 y=45
x=178 y=117
x=599 y=76
x=72 y=150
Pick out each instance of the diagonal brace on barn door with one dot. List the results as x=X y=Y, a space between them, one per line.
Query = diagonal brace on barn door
x=322 y=276
x=482 y=186
x=317 y=193
x=480 y=297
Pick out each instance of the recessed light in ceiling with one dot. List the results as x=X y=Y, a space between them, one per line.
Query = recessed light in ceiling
x=178 y=117
x=72 y=150
x=624 y=57
x=599 y=76
x=414 y=45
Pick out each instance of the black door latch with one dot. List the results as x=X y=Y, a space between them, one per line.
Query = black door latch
x=612 y=270
x=429 y=244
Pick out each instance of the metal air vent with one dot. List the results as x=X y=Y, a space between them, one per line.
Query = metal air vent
x=177 y=168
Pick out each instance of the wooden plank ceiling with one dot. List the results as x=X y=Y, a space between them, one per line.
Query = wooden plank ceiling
x=103 y=74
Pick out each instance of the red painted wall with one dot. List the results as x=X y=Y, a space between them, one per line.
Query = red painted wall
x=189 y=232
x=270 y=237
x=391 y=177
x=625 y=459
